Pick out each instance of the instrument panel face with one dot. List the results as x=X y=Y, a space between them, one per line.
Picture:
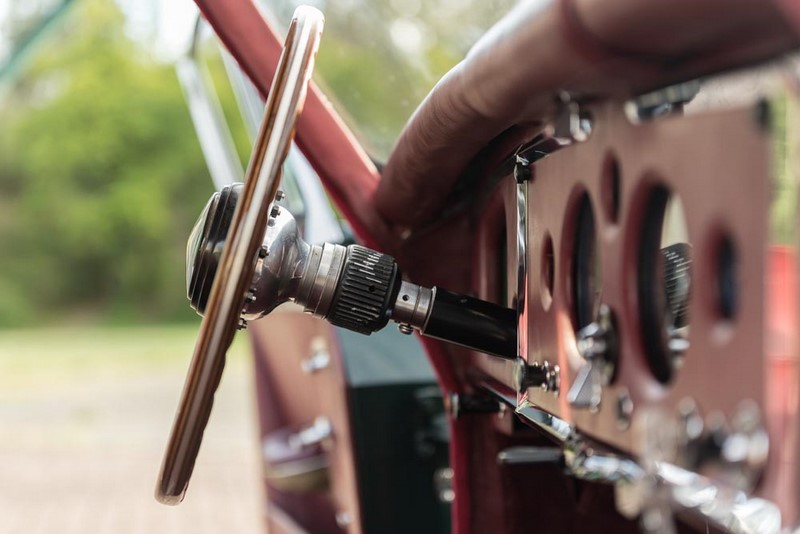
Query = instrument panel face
x=683 y=230
x=717 y=168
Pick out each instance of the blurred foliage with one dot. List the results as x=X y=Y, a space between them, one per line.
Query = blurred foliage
x=379 y=58
x=101 y=179
x=101 y=175
x=21 y=24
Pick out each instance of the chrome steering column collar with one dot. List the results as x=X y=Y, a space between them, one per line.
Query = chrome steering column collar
x=319 y=281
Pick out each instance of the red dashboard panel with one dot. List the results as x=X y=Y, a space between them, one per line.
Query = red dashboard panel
x=738 y=192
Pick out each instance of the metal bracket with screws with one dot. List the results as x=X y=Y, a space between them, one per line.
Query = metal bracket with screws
x=536 y=375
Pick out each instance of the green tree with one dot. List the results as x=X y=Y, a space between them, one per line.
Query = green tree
x=101 y=178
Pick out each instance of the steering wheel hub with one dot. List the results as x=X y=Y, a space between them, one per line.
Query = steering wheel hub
x=205 y=244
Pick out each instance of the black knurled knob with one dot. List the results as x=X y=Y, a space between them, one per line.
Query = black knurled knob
x=367 y=289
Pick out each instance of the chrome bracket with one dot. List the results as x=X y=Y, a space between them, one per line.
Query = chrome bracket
x=653 y=486
x=597 y=344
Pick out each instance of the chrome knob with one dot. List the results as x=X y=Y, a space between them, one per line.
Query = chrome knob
x=597 y=344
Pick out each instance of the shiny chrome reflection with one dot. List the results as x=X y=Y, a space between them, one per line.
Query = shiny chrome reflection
x=652 y=487
x=676 y=278
x=598 y=346
x=664 y=283
x=522 y=174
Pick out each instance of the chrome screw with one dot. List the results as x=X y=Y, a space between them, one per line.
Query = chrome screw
x=522 y=169
x=624 y=409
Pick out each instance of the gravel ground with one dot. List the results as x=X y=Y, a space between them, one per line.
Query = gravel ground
x=81 y=443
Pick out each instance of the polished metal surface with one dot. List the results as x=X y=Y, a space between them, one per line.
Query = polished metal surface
x=571 y=123
x=320 y=284
x=405 y=329
x=319 y=359
x=664 y=101
x=279 y=273
x=587 y=462
x=733 y=450
x=286 y=269
x=316 y=277
x=624 y=409
x=552 y=425
x=443 y=482
x=237 y=262
x=522 y=169
x=314 y=434
x=413 y=305
x=725 y=507
x=641 y=485
x=597 y=345
x=536 y=375
x=308 y=202
x=297 y=461
x=581 y=459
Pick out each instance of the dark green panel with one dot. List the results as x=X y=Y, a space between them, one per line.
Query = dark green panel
x=385 y=357
x=399 y=444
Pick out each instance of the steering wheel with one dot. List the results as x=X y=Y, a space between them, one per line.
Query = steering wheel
x=240 y=253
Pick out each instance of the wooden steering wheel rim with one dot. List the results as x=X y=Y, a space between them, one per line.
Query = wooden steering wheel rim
x=239 y=255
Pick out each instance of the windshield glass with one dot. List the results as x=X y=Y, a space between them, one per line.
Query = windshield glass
x=379 y=58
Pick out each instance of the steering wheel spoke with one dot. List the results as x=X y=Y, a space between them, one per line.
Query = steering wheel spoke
x=232 y=276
